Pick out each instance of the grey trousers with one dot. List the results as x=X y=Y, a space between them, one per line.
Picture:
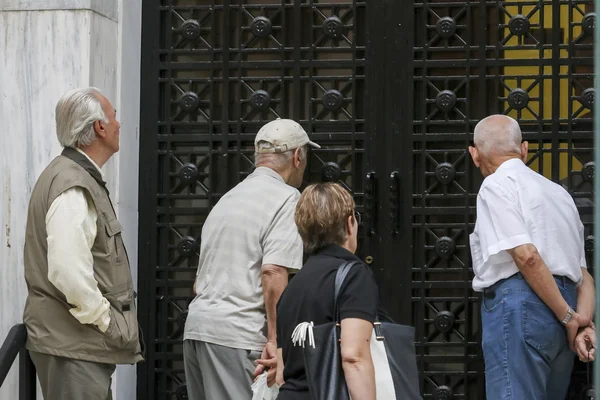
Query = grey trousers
x=69 y=379
x=214 y=372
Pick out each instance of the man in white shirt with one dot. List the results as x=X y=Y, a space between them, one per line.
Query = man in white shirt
x=249 y=245
x=80 y=309
x=528 y=257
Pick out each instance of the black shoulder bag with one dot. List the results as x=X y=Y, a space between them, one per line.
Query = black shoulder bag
x=392 y=351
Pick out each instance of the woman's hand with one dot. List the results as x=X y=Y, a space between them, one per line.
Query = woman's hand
x=279 y=376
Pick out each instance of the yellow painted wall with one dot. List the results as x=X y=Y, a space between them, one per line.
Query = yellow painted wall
x=541 y=93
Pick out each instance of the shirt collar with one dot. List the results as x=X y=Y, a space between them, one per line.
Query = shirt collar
x=85 y=162
x=337 y=251
x=92 y=161
x=266 y=171
x=510 y=164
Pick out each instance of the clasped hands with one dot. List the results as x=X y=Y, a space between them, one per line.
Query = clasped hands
x=581 y=334
x=268 y=363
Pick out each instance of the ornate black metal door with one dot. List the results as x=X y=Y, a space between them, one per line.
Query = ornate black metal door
x=392 y=93
x=214 y=73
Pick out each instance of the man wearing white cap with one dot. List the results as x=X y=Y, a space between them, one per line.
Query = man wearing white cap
x=249 y=245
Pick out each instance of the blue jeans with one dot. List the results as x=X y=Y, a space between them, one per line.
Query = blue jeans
x=525 y=347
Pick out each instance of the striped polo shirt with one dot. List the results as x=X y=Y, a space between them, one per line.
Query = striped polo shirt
x=251 y=225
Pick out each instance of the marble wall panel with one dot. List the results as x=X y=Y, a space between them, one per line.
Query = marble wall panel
x=46 y=53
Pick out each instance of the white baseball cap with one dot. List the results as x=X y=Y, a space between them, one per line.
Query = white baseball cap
x=281 y=135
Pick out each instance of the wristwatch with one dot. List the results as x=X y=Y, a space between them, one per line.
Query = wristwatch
x=568 y=316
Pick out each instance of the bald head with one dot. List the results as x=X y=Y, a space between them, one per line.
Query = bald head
x=498 y=135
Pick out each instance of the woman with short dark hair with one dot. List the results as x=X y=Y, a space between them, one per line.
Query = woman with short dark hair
x=328 y=225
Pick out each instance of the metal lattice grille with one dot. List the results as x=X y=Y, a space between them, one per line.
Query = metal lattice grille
x=392 y=93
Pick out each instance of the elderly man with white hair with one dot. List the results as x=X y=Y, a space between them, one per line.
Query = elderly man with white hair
x=80 y=309
x=528 y=257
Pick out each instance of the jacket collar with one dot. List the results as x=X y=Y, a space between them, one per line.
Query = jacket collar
x=85 y=163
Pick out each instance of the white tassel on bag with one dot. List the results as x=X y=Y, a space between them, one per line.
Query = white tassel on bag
x=383 y=375
x=303 y=330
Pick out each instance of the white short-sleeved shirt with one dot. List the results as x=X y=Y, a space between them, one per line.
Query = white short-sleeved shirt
x=251 y=225
x=516 y=206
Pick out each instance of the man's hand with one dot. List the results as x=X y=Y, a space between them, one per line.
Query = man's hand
x=585 y=344
x=575 y=323
x=268 y=362
x=274 y=279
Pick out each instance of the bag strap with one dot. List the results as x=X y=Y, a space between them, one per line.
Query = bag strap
x=340 y=277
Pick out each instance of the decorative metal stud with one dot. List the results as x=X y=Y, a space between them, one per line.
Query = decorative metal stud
x=445 y=246
x=589 y=23
x=588 y=97
x=446 y=27
x=588 y=171
x=187 y=246
x=518 y=99
x=445 y=100
x=181 y=392
x=189 y=101
x=445 y=173
x=190 y=29
x=188 y=173
x=181 y=318
x=331 y=172
x=589 y=245
x=261 y=27
x=260 y=100
x=443 y=393
x=444 y=321
x=333 y=27
x=333 y=100
x=519 y=25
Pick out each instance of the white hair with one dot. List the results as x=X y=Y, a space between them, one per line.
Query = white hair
x=76 y=112
x=277 y=161
x=498 y=135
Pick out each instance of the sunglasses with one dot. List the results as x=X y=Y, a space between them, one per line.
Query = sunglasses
x=358 y=217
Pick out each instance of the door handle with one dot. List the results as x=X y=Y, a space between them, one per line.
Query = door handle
x=395 y=202
x=371 y=203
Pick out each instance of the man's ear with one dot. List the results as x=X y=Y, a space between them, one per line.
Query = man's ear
x=475 y=156
x=297 y=157
x=524 y=150
x=99 y=128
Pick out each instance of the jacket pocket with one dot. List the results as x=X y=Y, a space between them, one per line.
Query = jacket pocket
x=124 y=332
x=115 y=242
